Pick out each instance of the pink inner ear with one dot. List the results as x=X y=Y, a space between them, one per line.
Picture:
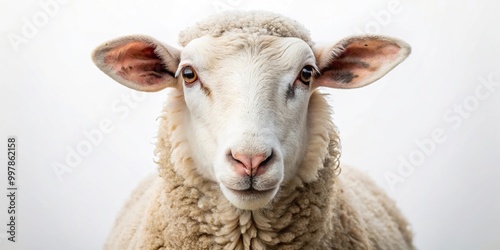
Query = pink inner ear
x=361 y=59
x=137 y=62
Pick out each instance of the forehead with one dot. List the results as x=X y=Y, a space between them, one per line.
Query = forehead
x=209 y=52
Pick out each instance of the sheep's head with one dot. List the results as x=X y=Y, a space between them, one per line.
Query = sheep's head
x=247 y=96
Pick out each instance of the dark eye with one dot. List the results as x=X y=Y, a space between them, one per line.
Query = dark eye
x=306 y=74
x=189 y=75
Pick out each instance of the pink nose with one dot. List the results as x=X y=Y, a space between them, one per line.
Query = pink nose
x=250 y=164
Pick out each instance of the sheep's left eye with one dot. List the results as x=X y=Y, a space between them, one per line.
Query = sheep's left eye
x=306 y=74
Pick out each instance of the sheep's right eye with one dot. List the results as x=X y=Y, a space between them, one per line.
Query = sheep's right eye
x=189 y=75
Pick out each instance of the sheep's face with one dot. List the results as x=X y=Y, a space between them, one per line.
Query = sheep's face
x=246 y=97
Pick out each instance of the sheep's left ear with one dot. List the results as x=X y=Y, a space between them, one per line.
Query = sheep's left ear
x=358 y=61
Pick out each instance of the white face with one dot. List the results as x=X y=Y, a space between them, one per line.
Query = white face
x=247 y=111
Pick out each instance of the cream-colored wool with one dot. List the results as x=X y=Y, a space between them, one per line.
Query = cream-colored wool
x=321 y=208
x=254 y=22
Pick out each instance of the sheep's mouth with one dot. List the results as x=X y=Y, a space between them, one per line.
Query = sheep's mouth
x=251 y=192
x=249 y=198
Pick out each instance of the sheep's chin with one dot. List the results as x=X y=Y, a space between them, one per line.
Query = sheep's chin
x=248 y=200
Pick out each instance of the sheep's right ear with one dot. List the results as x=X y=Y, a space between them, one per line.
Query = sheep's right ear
x=138 y=62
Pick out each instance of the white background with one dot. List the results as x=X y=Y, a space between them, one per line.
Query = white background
x=50 y=92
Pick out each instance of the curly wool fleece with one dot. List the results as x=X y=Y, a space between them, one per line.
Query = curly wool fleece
x=318 y=209
x=252 y=22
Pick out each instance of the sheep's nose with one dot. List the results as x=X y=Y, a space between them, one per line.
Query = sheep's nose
x=250 y=165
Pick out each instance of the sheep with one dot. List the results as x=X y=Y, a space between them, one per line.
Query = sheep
x=248 y=156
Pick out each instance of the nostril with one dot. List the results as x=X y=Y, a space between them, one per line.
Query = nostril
x=242 y=159
x=250 y=162
x=268 y=159
x=260 y=160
